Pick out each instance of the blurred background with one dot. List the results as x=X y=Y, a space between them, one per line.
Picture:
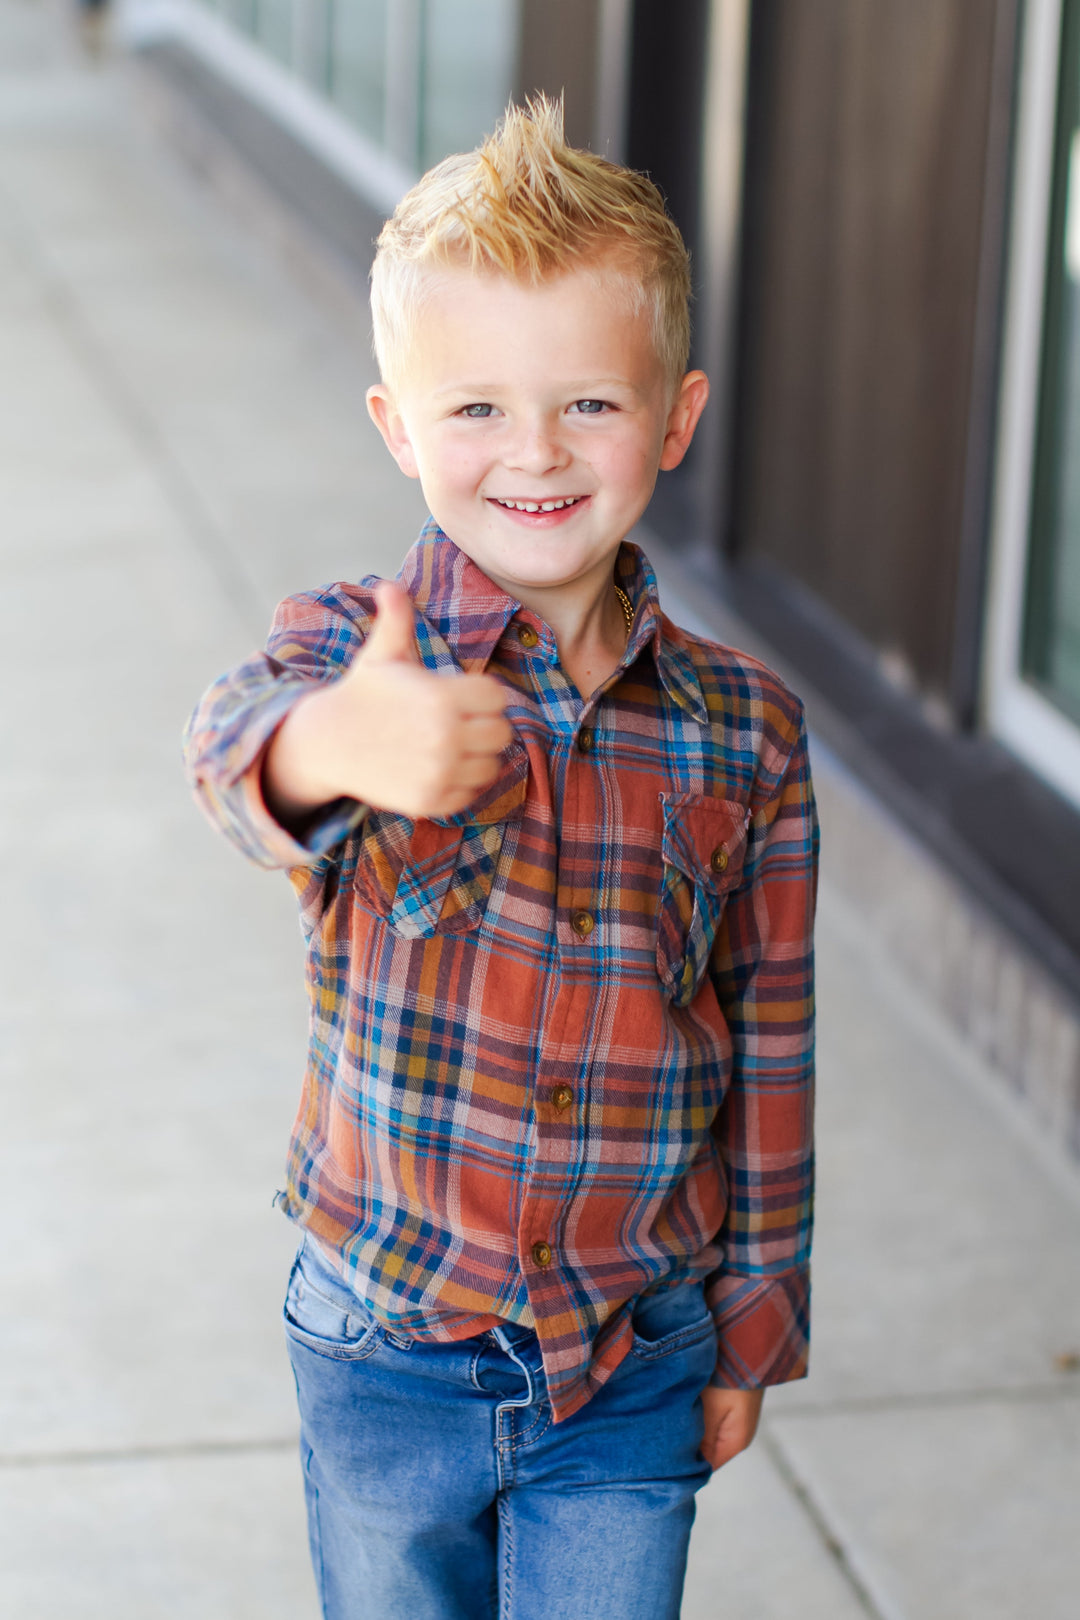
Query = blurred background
x=882 y=200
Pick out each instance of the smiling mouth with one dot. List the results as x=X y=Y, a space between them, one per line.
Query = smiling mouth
x=558 y=505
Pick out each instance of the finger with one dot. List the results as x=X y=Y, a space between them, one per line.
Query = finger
x=460 y=786
x=733 y=1438
x=476 y=771
x=717 y=1454
x=485 y=734
x=392 y=638
x=481 y=694
x=453 y=800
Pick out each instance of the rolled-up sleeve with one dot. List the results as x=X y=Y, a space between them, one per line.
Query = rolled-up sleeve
x=313 y=640
x=763 y=970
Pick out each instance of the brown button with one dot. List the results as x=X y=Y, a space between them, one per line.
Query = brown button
x=582 y=923
x=541 y=1254
x=585 y=739
x=527 y=635
x=562 y=1096
x=719 y=858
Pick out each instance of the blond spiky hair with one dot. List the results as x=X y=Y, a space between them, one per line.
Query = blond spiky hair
x=527 y=205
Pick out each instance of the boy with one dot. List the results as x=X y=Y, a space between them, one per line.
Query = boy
x=555 y=861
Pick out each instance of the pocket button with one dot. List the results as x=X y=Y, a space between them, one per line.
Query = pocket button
x=719 y=858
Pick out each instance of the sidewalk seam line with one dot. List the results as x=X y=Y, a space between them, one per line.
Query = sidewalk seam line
x=916 y=1401
x=150 y=1453
x=830 y=1540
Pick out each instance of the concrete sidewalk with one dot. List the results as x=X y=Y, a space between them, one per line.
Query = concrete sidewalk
x=183 y=440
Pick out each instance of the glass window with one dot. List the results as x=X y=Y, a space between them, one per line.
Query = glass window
x=357 y=62
x=453 y=64
x=241 y=13
x=274 y=28
x=468 y=70
x=311 y=42
x=1051 y=643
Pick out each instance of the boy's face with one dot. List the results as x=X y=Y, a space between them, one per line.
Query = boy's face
x=536 y=418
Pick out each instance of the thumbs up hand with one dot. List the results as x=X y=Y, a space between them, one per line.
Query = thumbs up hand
x=392 y=638
x=389 y=733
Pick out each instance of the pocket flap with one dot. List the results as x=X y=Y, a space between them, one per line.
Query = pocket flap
x=705 y=838
x=501 y=800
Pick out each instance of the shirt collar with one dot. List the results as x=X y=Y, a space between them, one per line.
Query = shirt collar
x=465 y=614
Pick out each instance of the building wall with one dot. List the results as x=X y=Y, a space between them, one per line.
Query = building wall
x=866 y=186
x=558 y=46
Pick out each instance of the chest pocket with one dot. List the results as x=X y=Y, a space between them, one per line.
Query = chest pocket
x=436 y=876
x=703 y=848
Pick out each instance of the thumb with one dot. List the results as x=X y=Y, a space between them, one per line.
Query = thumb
x=392 y=638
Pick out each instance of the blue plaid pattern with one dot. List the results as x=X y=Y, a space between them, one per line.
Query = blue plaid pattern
x=483 y=1076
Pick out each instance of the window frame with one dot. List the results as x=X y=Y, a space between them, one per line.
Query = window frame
x=1013 y=709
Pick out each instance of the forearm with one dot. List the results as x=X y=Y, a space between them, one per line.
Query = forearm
x=294 y=777
x=760 y=1294
x=224 y=744
x=763 y=970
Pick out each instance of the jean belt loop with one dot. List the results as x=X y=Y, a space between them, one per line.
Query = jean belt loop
x=499 y=1334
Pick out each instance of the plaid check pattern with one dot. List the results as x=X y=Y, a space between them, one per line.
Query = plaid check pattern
x=577 y=1017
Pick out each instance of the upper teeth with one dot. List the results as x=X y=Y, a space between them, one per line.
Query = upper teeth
x=538 y=506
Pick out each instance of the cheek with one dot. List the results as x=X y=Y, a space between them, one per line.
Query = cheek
x=630 y=461
x=460 y=468
x=432 y=473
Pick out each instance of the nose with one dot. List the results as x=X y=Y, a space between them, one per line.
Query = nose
x=538 y=448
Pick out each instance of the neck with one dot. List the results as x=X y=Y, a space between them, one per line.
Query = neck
x=582 y=620
x=589 y=626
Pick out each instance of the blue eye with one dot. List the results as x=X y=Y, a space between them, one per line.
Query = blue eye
x=589 y=407
x=477 y=412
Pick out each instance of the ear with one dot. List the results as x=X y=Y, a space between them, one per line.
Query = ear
x=391 y=424
x=686 y=409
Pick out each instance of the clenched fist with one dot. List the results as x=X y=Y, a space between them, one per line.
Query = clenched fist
x=389 y=733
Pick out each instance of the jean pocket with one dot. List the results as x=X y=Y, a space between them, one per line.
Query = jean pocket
x=436 y=876
x=703 y=849
x=323 y=1313
x=673 y=1319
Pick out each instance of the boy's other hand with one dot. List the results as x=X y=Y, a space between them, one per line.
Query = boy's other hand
x=731 y=1420
x=389 y=733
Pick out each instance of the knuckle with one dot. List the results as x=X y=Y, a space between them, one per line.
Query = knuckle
x=443 y=781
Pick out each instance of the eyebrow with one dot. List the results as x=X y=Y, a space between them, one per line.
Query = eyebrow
x=580 y=390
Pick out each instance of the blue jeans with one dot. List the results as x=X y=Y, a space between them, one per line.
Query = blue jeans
x=438 y=1487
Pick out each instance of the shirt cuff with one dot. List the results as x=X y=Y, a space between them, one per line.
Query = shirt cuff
x=762 y=1328
x=230 y=791
x=326 y=826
